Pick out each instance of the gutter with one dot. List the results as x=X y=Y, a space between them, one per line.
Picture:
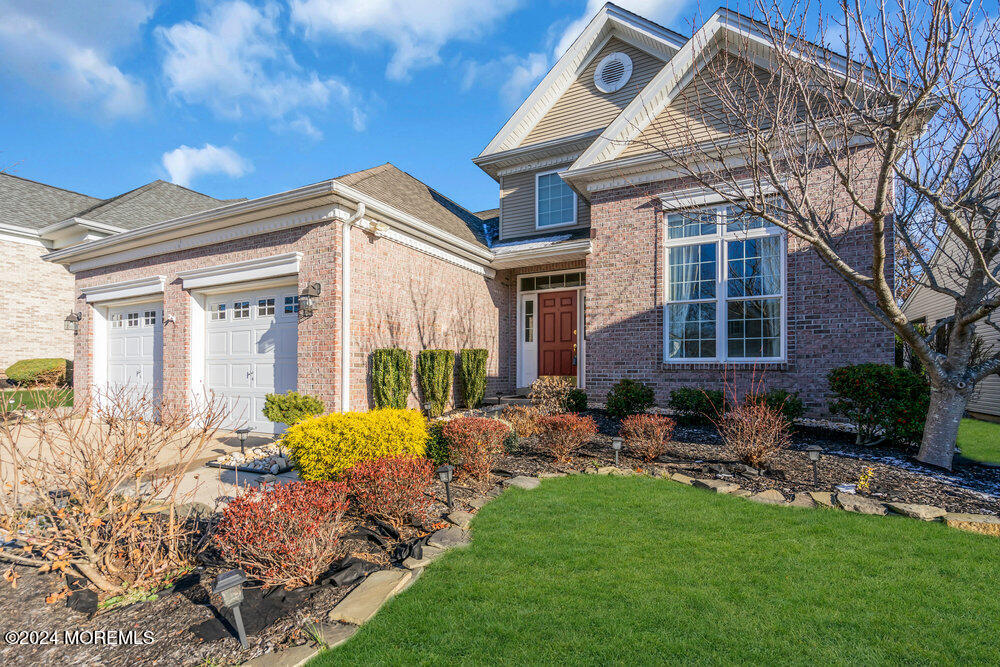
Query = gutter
x=345 y=309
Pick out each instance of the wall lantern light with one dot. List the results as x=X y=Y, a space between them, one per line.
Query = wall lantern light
x=616 y=444
x=444 y=474
x=229 y=586
x=72 y=322
x=815 y=453
x=307 y=300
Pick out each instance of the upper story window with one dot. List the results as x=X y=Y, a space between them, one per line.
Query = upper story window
x=555 y=201
x=725 y=287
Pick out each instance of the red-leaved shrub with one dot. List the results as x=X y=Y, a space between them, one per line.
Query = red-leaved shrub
x=392 y=488
x=647 y=436
x=285 y=534
x=562 y=435
x=755 y=432
x=476 y=445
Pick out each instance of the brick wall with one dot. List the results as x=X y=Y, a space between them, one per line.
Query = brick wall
x=826 y=326
x=35 y=298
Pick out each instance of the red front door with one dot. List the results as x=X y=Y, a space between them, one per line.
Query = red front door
x=557 y=333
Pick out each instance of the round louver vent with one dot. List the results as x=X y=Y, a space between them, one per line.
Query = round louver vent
x=613 y=72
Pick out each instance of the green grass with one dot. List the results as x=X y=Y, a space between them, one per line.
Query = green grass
x=598 y=570
x=979 y=440
x=31 y=399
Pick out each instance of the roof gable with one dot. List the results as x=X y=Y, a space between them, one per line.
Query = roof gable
x=33 y=205
x=610 y=21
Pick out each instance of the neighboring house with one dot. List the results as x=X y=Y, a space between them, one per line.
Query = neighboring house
x=568 y=277
x=36 y=219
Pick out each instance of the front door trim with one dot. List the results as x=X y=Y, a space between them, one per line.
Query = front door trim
x=527 y=352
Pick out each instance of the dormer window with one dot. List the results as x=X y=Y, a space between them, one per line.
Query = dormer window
x=555 y=201
x=613 y=72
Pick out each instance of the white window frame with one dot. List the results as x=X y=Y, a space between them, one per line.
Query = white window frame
x=721 y=238
x=576 y=202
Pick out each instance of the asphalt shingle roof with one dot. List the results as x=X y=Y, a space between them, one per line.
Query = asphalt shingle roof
x=150 y=203
x=34 y=205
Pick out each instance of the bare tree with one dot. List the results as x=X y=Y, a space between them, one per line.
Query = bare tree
x=896 y=143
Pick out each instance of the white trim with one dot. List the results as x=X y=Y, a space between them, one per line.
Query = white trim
x=563 y=160
x=23 y=235
x=241 y=272
x=80 y=222
x=196 y=348
x=560 y=252
x=428 y=249
x=267 y=283
x=576 y=202
x=125 y=290
x=521 y=373
x=99 y=349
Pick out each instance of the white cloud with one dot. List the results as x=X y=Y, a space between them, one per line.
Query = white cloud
x=514 y=75
x=417 y=30
x=233 y=60
x=66 y=49
x=661 y=11
x=186 y=163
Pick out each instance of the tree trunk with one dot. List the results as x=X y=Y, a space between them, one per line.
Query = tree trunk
x=941 y=430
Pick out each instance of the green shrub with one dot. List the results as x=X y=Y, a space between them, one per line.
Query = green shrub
x=692 y=404
x=787 y=403
x=472 y=371
x=879 y=398
x=392 y=370
x=437 y=445
x=435 y=370
x=576 y=400
x=291 y=408
x=324 y=447
x=628 y=397
x=44 y=372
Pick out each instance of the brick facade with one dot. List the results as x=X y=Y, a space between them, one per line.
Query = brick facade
x=35 y=298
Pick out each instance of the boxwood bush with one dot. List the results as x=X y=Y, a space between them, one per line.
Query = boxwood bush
x=576 y=400
x=322 y=448
x=392 y=370
x=472 y=371
x=881 y=401
x=40 y=372
x=291 y=407
x=787 y=403
x=628 y=397
x=435 y=370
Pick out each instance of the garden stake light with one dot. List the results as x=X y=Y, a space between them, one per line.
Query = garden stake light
x=229 y=586
x=242 y=433
x=427 y=407
x=616 y=444
x=815 y=452
x=444 y=473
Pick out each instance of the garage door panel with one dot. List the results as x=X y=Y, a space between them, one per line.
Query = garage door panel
x=133 y=347
x=218 y=375
x=217 y=343
x=240 y=343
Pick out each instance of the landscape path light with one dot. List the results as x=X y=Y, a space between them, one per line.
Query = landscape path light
x=616 y=444
x=815 y=453
x=229 y=586
x=444 y=474
x=242 y=434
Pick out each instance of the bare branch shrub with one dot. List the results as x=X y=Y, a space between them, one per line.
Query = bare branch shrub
x=549 y=393
x=522 y=418
x=647 y=436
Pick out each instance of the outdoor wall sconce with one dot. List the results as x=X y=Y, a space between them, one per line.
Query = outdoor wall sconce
x=307 y=300
x=616 y=444
x=444 y=474
x=815 y=453
x=72 y=322
x=242 y=434
x=229 y=586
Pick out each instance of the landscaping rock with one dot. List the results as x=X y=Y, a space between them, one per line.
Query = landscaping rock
x=429 y=555
x=369 y=596
x=550 y=475
x=683 y=479
x=822 y=498
x=607 y=470
x=460 y=518
x=717 y=485
x=768 y=497
x=860 y=504
x=742 y=493
x=922 y=512
x=194 y=509
x=523 y=482
x=986 y=524
x=803 y=499
x=479 y=502
x=448 y=538
x=291 y=657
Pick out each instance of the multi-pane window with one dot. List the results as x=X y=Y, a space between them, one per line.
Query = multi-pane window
x=218 y=312
x=149 y=318
x=558 y=281
x=132 y=319
x=116 y=321
x=241 y=310
x=529 y=321
x=724 y=286
x=555 y=201
x=265 y=307
x=292 y=304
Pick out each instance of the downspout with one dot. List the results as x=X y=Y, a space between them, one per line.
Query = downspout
x=345 y=306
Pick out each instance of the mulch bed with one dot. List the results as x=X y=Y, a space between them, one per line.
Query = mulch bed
x=175 y=616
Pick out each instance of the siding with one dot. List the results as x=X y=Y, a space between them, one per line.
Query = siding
x=517 y=206
x=583 y=107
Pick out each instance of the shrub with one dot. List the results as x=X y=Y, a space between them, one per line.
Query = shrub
x=563 y=435
x=472 y=371
x=754 y=431
x=324 y=447
x=549 y=394
x=879 y=398
x=392 y=370
x=40 y=372
x=628 y=397
x=285 y=534
x=392 y=488
x=647 y=436
x=697 y=405
x=437 y=444
x=576 y=400
x=523 y=419
x=787 y=403
x=476 y=445
x=435 y=370
x=291 y=408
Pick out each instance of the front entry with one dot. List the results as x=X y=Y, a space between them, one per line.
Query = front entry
x=557 y=340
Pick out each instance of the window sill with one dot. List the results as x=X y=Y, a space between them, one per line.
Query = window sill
x=723 y=365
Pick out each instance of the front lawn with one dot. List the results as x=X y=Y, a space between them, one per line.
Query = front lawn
x=979 y=440
x=597 y=570
x=31 y=399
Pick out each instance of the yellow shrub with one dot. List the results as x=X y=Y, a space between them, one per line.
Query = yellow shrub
x=324 y=447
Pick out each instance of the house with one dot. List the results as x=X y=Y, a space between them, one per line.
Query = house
x=567 y=277
x=36 y=219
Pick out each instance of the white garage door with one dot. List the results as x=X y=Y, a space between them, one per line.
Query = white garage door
x=135 y=348
x=251 y=351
